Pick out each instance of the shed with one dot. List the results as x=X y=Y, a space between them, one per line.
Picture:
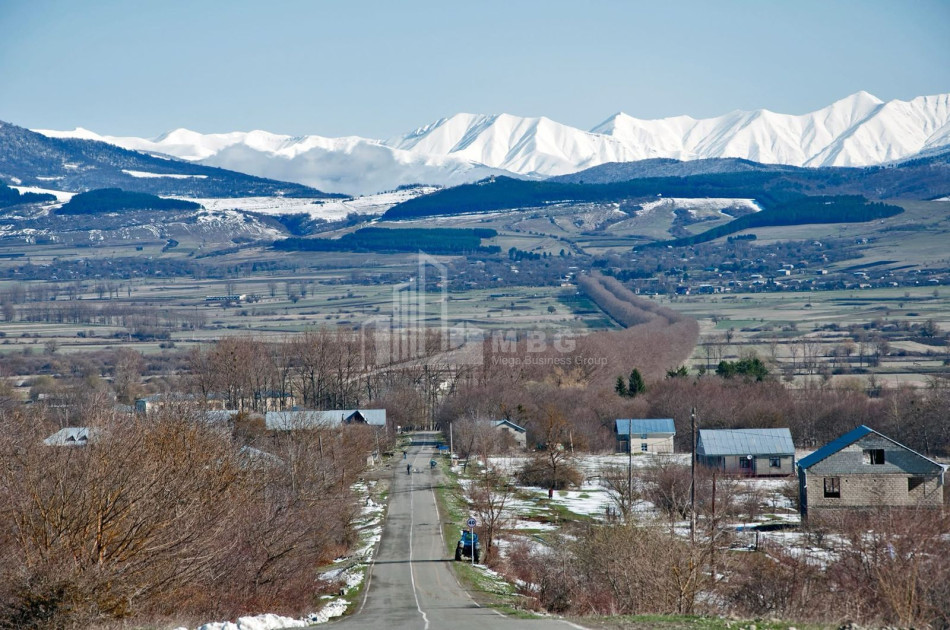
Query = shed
x=752 y=452
x=649 y=435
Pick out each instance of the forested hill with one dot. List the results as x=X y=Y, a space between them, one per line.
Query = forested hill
x=800 y=211
x=13 y=197
x=114 y=200
x=75 y=165
x=919 y=179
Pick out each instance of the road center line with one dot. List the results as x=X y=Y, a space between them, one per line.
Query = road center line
x=412 y=575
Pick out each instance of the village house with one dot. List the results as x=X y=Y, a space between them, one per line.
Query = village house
x=310 y=419
x=750 y=452
x=152 y=403
x=645 y=435
x=512 y=435
x=865 y=469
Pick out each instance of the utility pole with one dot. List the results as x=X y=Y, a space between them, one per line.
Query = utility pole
x=629 y=464
x=692 y=477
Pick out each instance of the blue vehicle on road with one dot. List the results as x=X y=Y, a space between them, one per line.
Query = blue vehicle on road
x=468 y=546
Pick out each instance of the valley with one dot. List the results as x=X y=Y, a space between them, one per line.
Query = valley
x=278 y=342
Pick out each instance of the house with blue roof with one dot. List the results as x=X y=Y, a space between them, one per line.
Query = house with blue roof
x=749 y=452
x=644 y=435
x=866 y=469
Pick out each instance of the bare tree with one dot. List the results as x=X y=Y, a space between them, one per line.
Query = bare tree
x=490 y=497
x=623 y=494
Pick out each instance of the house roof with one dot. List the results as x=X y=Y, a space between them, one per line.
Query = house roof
x=509 y=423
x=639 y=426
x=745 y=442
x=71 y=436
x=308 y=419
x=848 y=439
x=373 y=417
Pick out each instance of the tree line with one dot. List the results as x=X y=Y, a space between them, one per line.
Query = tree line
x=117 y=200
x=429 y=240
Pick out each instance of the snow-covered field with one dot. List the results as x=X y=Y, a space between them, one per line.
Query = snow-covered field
x=329 y=209
x=702 y=208
x=531 y=509
x=60 y=195
x=144 y=175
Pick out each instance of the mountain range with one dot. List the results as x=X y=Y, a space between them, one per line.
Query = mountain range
x=860 y=130
x=35 y=160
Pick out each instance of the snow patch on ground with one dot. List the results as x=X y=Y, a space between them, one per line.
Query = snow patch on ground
x=333 y=609
x=351 y=571
x=708 y=207
x=60 y=195
x=145 y=175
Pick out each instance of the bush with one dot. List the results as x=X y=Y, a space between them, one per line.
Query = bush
x=538 y=472
x=163 y=515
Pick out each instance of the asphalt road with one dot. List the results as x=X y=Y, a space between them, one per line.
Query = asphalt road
x=410 y=583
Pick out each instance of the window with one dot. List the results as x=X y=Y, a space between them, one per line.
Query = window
x=643 y=447
x=745 y=462
x=914 y=482
x=832 y=487
x=775 y=462
x=874 y=456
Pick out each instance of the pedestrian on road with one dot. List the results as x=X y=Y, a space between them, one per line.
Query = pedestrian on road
x=408 y=469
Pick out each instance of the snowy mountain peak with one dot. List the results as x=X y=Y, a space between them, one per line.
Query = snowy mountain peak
x=857 y=130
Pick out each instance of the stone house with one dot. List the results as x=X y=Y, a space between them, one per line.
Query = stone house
x=646 y=435
x=748 y=452
x=866 y=469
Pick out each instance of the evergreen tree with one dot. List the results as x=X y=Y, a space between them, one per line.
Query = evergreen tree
x=637 y=386
x=621 y=387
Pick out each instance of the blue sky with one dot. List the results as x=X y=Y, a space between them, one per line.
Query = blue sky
x=379 y=69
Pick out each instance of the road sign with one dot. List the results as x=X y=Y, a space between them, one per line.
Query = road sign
x=472 y=522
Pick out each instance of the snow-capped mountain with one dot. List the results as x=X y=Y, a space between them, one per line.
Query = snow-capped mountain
x=350 y=165
x=859 y=130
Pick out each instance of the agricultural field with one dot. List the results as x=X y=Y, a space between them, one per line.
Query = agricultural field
x=190 y=292
x=318 y=289
x=887 y=333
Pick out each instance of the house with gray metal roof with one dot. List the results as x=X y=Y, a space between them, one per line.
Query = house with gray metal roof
x=644 y=435
x=866 y=469
x=72 y=436
x=751 y=452
x=311 y=419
